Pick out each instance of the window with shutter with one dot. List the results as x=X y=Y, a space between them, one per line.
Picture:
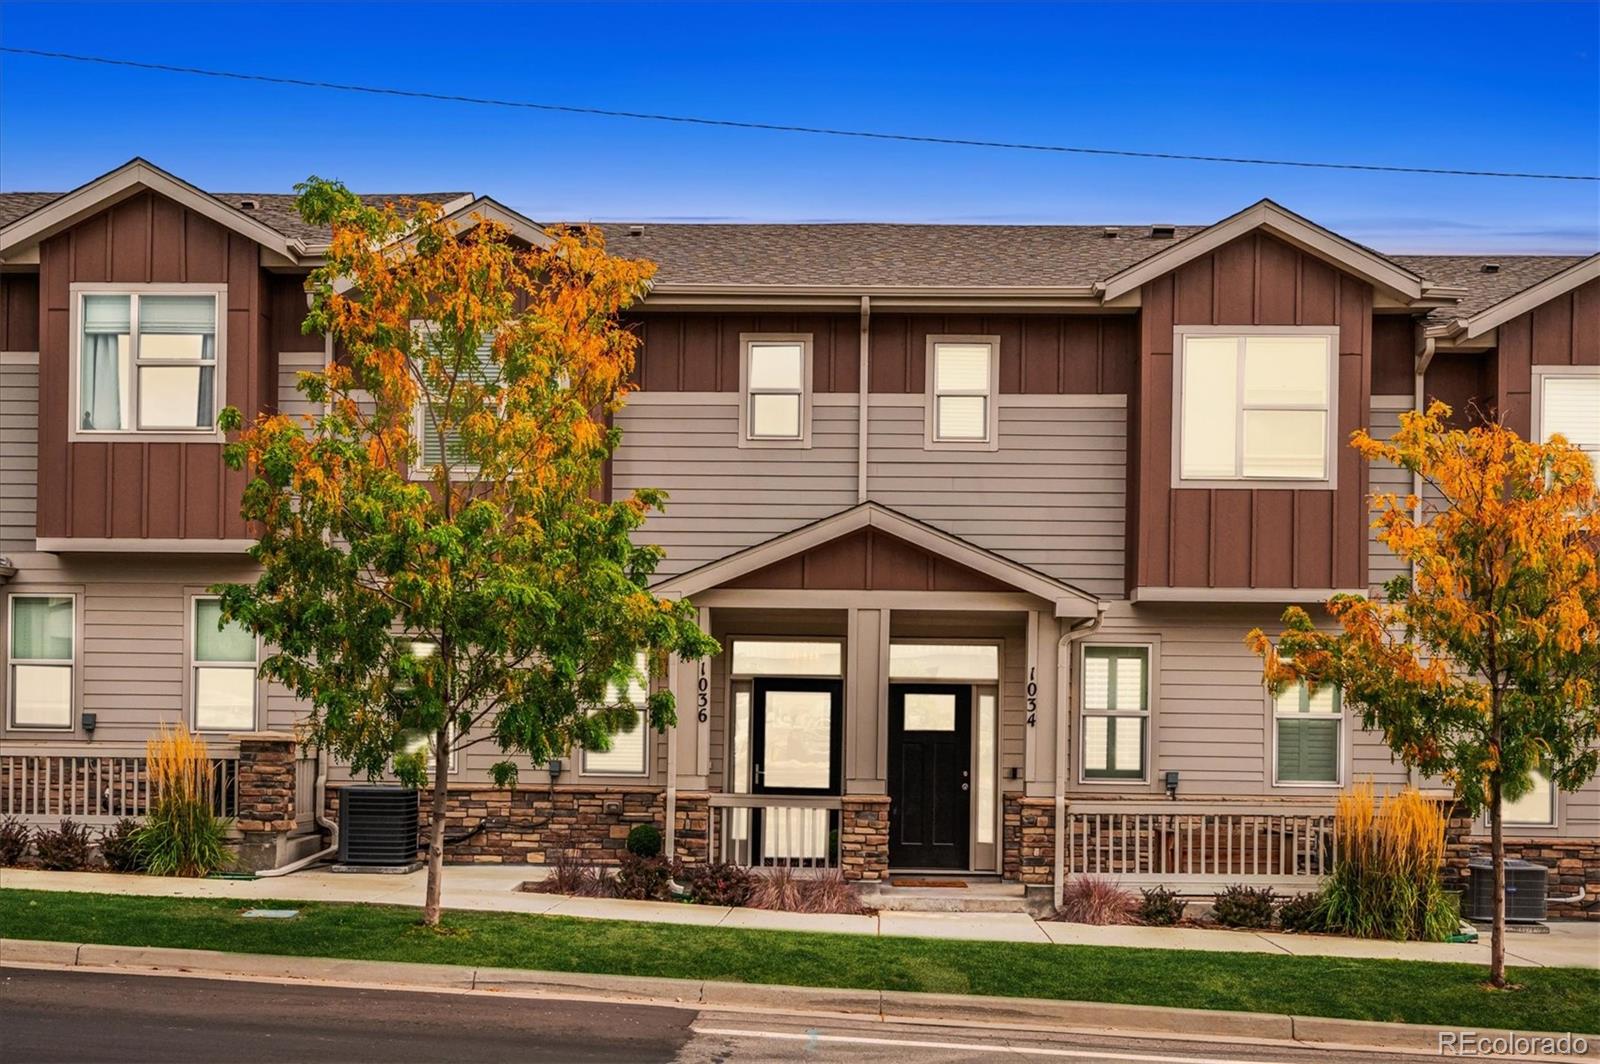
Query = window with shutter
x=1116 y=712
x=1309 y=735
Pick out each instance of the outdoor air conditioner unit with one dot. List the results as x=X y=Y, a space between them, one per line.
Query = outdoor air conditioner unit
x=378 y=826
x=1525 y=890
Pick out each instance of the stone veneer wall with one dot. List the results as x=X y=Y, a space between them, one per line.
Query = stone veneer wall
x=266 y=782
x=1029 y=839
x=1574 y=863
x=691 y=828
x=528 y=824
x=864 y=837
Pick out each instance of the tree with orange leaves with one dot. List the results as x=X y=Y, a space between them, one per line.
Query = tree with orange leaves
x=1481 y=667
x=438 y=569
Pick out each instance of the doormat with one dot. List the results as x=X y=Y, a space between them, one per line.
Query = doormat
x=897 y=881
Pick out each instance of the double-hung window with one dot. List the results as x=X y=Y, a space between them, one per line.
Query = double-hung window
x=147 y=361
x=962 y=373
x=1116 y=712
x=43 y=638
x=776 y=401
x=1256 y=405
x=629 y=748
x=223 y=670
x=1569 y=403
x=1308 y=736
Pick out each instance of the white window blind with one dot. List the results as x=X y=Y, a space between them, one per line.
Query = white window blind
x=962 y=375
x=627 y=756
x=224 y=671
x=1571 y=407
x=775 y=387
x=42 y=656
x=438 y=445
x=1116 y=709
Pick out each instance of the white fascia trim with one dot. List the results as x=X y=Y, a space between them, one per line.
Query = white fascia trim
x=1068 y=602
x=1287 y=596
x=127 y=180
x=521 y=226
x=1579 y=273
x=85 y=545
x=1281 y=222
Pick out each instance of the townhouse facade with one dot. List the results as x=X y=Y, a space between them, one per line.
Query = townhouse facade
x=980 y=516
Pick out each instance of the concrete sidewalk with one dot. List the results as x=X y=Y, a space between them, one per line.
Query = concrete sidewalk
x=494 y=889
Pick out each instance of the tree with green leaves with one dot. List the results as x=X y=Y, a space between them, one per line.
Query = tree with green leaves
x=436 y=557
x=1481 y=667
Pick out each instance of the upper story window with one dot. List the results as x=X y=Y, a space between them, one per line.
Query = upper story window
x=1569 y=404
x=42 y=643
x=962 y=375
x=438 y=445
x=147 y=359
x=1255 y=405
x=776 y=399
x=223 y=664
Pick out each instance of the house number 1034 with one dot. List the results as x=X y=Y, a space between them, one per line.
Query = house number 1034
x=1033 y=696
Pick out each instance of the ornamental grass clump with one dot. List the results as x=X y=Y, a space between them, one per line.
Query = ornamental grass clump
x=1385 y=881
x=182 y=835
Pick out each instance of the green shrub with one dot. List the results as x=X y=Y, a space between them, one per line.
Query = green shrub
x=14 y=839
x=1160 y=907
x=1305 y=913
x=65 y=849
x=644 y=840
x=181 y=836
x=119 y=847
x=643 y=878
x=722 y=883
x=1241 y=906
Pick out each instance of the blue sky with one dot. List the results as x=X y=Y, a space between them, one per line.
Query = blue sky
x=1513 y=86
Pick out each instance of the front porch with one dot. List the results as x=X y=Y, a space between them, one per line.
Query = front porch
x=885 y=702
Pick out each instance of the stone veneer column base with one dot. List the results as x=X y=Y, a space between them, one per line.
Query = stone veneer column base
x=1029 y=839
x=1574 y=863
x=691 y=828
x=864 y=837
x=266 y=798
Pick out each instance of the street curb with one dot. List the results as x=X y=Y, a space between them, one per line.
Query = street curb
x=887 y=1005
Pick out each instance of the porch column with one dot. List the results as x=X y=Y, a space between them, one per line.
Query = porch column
x=1039 y=736
x=691 y=690
x=866 y=702
x=266 y=798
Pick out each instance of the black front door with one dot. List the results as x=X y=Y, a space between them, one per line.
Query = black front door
x=930 y=781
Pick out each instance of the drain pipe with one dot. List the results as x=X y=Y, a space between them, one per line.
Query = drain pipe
x=322 y=820
x=1063 y=719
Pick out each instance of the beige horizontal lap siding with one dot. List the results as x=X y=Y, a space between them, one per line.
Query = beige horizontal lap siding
x=1212 y=722
x=724 y=498
x=291 y=364
x=19 y=450
x=1052 y=496
x=1384 y=478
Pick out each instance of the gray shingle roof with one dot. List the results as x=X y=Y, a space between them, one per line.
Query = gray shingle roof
x=909 y=256
x=848 y=255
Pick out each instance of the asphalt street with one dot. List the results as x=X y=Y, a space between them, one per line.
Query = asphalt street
x=59 y=1015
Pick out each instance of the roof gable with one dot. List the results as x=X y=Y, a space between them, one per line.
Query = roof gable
x=1492 y=317
x=871 y=547
x=1287 y=226
x=127 y=180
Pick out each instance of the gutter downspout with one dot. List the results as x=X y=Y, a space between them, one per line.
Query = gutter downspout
x=861 y=401
x=1063 y=719
x=322 y=820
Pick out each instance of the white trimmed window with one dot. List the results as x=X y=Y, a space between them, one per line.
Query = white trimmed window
x=1537 y=808
x=1256 y=407
x=1308 y=735
x=1116 y=712
x=630 y=748
x=435 y=446
x=42 y=653
x=776 y=386
x=147 y=361
x=962 y=376
x=1570 y=405
x=223 y=671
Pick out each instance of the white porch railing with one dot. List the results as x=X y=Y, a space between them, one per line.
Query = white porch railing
x=769 y=831
x=1196 y=847
x=97 y=789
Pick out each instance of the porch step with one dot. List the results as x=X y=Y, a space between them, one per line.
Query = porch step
x=973 y=898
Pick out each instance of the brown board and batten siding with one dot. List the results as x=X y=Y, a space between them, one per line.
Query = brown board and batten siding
x=1040 y=354
x=1248 y=537
x=700 y=352
x=131 y=489
x=1563 y=331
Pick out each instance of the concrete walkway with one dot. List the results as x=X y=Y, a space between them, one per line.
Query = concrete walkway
x=494 y=889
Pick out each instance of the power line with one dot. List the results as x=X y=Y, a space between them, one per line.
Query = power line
x=777 y=127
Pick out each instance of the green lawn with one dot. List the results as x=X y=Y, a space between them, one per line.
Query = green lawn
x=1553 y=999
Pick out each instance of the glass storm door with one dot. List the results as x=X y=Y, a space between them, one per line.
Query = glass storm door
x=930 y=784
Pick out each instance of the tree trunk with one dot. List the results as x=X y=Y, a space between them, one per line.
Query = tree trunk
x=441 y=779
x=1497 y=854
